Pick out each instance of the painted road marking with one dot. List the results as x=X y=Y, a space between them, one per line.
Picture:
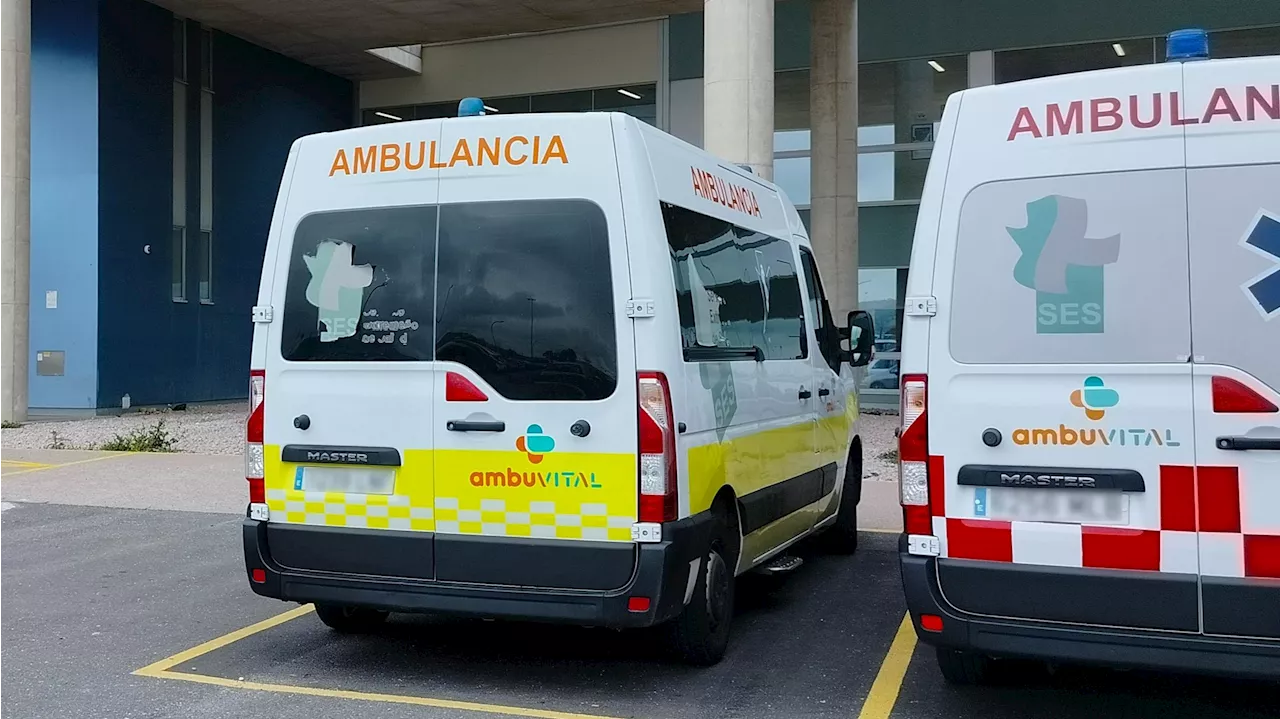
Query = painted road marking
x=213 y=644
x=47 y=467
x=6 y=506
x=163 y=669
x=20 y=463
x=884 y=690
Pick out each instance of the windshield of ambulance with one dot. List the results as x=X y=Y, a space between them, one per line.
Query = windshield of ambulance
x=520 y=292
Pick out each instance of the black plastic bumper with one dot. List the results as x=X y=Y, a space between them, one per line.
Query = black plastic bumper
x=1109 y=646
x=660 y=573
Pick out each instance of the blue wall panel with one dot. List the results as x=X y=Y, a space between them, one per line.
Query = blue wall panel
x=156 y=350
x=64 y=196
x=142 y=334
x=263 y=102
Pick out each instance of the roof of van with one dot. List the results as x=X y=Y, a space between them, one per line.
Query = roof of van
x=1137 y=116
x=685 y=174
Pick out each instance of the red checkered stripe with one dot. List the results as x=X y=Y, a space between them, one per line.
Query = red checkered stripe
x=1200 y=518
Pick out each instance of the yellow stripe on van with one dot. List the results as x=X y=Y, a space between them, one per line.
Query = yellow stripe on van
x=756 y=461
x=566 y=495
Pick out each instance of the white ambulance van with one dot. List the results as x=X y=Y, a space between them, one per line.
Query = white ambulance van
x=1090 y=448
x=559 y=367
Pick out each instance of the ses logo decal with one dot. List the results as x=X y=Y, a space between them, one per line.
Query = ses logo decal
x=1064 y=267
x=1095 y=398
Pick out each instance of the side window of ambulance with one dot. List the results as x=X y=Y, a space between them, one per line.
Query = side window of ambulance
x=735 y=288
x=361 y=286
x=524 y=297
x=825 y=330
x=1070 y=269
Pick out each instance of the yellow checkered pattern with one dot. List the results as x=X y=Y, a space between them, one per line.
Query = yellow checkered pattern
x=491 y=517
x=336 y=509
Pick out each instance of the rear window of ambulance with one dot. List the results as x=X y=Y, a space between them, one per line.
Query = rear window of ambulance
x=523 y=294
x=361 y=286
x=525 y=297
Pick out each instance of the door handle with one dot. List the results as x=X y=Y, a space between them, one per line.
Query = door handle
x=463 y=425
x=824 y=392
x=805 y=394
x=1246 y=443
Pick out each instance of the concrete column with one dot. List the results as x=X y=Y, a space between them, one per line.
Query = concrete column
x=15 y=205
x=738 y=83
x=833 y=113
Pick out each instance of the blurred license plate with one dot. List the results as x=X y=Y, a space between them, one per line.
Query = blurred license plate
x=1073 y=506
x=348 y=480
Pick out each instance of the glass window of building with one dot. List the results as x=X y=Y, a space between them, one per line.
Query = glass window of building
x=1029 y=64
x=1245 y=43
x=639 y=101
x=899 y=103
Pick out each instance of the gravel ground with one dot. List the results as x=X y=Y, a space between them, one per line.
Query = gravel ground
x=220 y=430
x=206 y=430
x=879 y=447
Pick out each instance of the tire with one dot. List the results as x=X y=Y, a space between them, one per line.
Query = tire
x=700 y=634
x=842 y=536
x=350 y=620
x=964 y=668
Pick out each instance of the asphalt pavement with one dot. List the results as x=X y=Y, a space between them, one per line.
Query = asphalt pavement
x=93 y=594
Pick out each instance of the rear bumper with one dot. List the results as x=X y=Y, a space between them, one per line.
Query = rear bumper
x=1111 y=646
x=661 y=573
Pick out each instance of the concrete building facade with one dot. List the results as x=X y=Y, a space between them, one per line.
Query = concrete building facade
x=156 y=134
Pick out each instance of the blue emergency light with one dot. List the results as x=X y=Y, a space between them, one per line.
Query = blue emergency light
x=470 y=107
x=1189 y=44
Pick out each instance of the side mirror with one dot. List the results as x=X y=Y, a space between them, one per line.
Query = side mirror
x=862 y=335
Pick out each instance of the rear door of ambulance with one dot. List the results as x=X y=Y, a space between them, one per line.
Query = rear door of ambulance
x=1058 y=392
x=1233 y=186
x=535 y=401
x=349 y=379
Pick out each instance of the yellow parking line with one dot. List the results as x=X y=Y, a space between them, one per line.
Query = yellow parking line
x=20 y=463
x=163 y=669
x=44 y=468
x=375 y=697
x=884 y=690
x=222 y=641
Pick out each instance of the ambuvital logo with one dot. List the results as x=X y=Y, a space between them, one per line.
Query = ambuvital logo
x=536 y=446
x=1064 y=267
x=565 y=479
x=534 y=443
x=1094 y=397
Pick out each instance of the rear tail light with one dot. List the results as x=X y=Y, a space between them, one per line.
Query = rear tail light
x=1234 y=397
x=658 y=501
x=913 y=456
x=254 y=456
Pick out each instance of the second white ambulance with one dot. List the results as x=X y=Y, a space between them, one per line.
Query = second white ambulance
x=1091 y=372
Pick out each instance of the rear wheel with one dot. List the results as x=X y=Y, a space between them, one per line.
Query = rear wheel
x=964 y=668
x=350 y=620
x=700 y=634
